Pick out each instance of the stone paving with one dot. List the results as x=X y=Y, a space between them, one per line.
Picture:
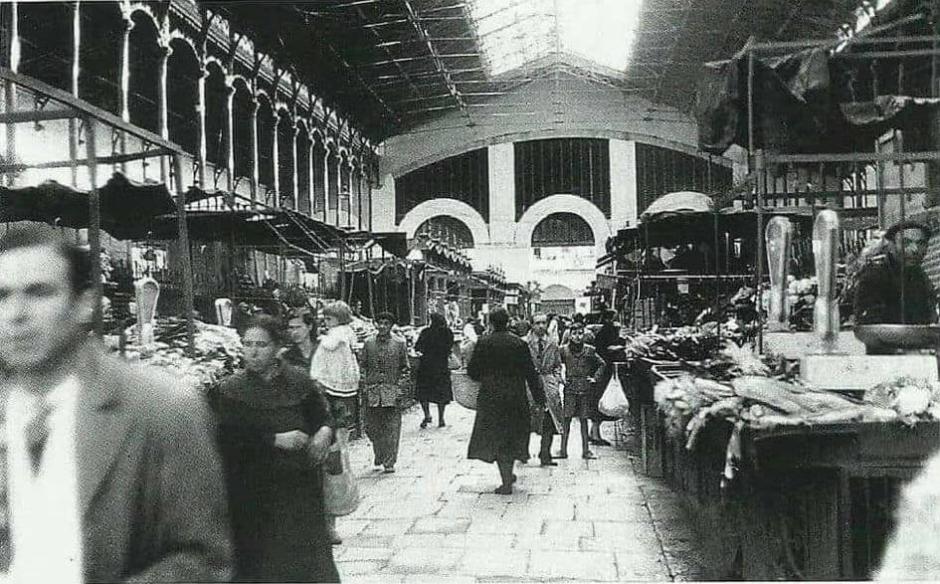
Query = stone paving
x=437 y=519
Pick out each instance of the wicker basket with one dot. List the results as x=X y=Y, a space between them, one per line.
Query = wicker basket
x=465 y=389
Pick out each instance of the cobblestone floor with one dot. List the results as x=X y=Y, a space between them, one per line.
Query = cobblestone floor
x=437 y=520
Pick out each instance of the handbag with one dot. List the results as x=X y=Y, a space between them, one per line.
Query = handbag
x=340 y=490
x=613 y=402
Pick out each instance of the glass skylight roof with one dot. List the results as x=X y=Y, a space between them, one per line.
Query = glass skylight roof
x=515 y=32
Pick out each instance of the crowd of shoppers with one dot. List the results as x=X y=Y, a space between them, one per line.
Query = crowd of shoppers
x=143 y=481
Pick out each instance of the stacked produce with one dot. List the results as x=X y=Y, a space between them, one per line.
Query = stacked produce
x=218 y=351
x=912 y=399
x=688 y=343
x=754 y=400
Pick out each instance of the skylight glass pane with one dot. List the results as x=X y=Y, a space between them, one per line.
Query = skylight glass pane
x=599 y=30
x=515 y=32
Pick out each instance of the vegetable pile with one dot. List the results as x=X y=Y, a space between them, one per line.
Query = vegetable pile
x=218 y=351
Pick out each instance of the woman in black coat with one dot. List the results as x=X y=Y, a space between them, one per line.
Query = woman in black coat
x=432 y=383
x=274 y=432
x=503 y=364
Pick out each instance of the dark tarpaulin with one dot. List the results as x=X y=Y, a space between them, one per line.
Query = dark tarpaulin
x=800 y=106
x=127 y=207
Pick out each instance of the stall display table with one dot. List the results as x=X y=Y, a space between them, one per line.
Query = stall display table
x=808 y=502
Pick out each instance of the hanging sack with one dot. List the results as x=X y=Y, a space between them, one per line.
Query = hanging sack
x=613 y=402
x=340 y=491
x=453 y=361
x=465 y=390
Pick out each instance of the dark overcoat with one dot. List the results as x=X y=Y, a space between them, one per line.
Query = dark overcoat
x=276 y=496
x=432 y=383
x=503 y=365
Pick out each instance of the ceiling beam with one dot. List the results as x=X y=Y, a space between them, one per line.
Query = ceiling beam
x=438 y=62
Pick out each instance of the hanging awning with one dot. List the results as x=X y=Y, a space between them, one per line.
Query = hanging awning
x=127 y=207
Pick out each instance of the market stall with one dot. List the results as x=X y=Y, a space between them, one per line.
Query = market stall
x=788 y=440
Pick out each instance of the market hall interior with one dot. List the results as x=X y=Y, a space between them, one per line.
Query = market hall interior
x=722 y=181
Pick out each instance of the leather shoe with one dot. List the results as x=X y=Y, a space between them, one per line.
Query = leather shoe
x=547 y=462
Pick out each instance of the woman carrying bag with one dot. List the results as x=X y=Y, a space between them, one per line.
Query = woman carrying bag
x=335 y=369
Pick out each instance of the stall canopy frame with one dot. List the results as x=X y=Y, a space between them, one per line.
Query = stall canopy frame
x=61 y=105
x=761 y=162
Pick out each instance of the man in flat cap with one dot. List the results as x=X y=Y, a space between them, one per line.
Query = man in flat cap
x=892 y=287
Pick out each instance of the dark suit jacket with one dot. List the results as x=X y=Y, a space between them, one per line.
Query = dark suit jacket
x=150 y=486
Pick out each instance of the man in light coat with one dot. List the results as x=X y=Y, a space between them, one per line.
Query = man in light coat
x=109 y=471
x=547 y=359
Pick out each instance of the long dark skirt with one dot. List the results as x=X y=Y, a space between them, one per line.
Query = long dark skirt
x=434 y=385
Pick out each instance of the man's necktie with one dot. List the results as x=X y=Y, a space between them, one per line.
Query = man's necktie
x=37 y=433
x=541 y=350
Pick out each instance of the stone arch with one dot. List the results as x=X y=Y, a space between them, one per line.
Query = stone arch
x=136 y=7
x=451 y=208
x=563 y=204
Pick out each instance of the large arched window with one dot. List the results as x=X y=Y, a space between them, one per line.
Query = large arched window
x=100 y=52
x=319 y=177
x=183 y=72
x=285 y=158
x=215 y=114
x=46 y=42
x=562 y=230
x=266 y=121
x=242 y=106
x=454 y=231
x=303 y=168
x=144 y=54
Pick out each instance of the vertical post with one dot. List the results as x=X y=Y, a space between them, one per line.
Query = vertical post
x=124 y=83
x=899 y=148
x=76 y=70
x=229 y=135
x=9 y=88
x=295 y=132
x=14 y=41
x=163 y=107
x=201 y=123
x=255 y=105
x=342 y=268
x=326 y=182
x=359 y=196
x=757 y=170
x=184 y=249
x=311 y=196
x=94 y=221
x=275 y=160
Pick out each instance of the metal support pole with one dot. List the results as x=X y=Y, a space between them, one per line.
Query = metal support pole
x=94 y=224
x=187 y=263
x=342 y=269
x=275 y=163
x=202 y=155
x=295 y=183
x=756 y=170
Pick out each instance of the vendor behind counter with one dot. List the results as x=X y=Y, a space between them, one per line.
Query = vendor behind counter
x=878 y=297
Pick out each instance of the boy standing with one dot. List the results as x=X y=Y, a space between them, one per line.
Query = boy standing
x=582 y=368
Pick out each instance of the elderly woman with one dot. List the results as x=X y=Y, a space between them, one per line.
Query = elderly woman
x=335 y=369
x=503 y=364
x=432 y=383
x=274 y=432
